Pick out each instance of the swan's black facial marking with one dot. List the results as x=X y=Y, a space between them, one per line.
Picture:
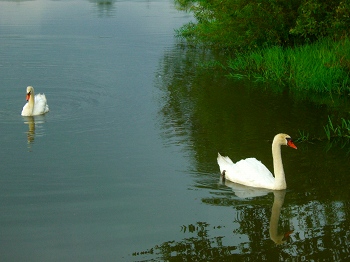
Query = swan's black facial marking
x=290 y=142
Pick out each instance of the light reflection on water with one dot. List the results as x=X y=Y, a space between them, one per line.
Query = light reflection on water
x=35 y=127
x=124 y=164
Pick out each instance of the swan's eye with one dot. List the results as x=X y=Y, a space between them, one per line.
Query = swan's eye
x=289 y=140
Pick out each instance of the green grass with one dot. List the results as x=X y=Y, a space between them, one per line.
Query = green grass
x=303 y=136
x=337 y=131
x=321 y=67
x=338 y=135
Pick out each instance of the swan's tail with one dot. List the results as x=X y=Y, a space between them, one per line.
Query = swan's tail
x=224 y=163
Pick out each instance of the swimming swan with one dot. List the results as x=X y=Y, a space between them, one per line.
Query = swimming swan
x=251 y=172
x=36 y=105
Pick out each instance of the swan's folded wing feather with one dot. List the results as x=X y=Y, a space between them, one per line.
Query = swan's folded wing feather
x=250 y=172
x=40 y=104
x=224 y=163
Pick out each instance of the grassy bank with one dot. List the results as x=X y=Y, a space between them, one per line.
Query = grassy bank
x=323 y=66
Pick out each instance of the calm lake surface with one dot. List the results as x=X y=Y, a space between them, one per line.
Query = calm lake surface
x=123 y=167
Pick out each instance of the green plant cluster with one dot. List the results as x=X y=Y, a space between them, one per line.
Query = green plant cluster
x=321 y=18
x=303 y=43
x=338 y=131
x=248 y=24
x=323 y=66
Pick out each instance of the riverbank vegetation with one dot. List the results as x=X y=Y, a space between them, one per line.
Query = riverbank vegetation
x=322 y=66
x=243 y=25
x=303 y=43
x=339 y=131
x=300 y=44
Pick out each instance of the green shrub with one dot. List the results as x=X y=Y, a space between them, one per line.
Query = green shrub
x=239 y=24
x=322 y=66
x=321 y=18
x=248 y=24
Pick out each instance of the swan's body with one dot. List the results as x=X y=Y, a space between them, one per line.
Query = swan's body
x=251 y=172
x=36 y=105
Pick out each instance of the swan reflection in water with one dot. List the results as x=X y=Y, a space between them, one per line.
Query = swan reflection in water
x=33 y=122
x=251 y=192
x=275 y=215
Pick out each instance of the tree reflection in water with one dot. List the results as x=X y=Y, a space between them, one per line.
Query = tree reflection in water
x=311 y=241
x=197 y=115
x=104 y=8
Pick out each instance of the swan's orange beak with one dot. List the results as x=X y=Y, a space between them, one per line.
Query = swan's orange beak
x=291 y=144
x=28 y=96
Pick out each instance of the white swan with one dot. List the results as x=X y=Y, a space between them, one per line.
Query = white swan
x=36 y=105
x=251 y=172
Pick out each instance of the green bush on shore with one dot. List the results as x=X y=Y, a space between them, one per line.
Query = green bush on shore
x=243 y=25
x=323 y=66
x=303 y=43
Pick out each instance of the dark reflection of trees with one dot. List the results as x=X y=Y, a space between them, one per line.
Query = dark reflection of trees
x=201 y=246
x=313 y=239
x=104 y=8
x=203 y=112
x=184 y=114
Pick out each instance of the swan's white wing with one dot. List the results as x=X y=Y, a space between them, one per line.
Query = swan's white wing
x=224 y=163
x=254 y=173
x=250 y=172
x=40 y=105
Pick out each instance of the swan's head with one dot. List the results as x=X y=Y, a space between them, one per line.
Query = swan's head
x=30 y=91
x=284 y=139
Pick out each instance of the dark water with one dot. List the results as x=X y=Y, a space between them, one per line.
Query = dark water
x=123 y=167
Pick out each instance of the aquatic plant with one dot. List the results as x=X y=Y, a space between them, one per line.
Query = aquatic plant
x=337 y=131
x=303 y=136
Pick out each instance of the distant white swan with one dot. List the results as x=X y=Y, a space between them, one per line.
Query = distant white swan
x=36 y=105
x=251 y=172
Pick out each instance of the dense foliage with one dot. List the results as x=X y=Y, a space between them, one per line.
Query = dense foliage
x=323 y=66
x=247 y=24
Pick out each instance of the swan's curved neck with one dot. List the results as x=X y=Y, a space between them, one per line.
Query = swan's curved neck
x=31 y=101
x=280 y=179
